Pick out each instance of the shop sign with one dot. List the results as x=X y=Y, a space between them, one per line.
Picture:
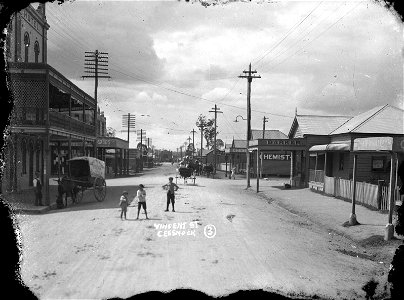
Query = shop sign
x=373 y=144
x=287 y=142
x=269 y=156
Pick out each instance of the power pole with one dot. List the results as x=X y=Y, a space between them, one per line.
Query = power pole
x=193 y=142
x=189 y=141
x=249 y=75
x=129 y=121
x=147 y=157
x=216 y=110
x=93 y=65
x=201 y=129
x=141 y=148
x=263 y=127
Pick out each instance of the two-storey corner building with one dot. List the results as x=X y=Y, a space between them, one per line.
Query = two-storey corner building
x=52 y=120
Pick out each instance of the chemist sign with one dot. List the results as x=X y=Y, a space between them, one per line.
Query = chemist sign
x=272 y=156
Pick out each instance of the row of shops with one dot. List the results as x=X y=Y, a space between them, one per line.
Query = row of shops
x=357 y=157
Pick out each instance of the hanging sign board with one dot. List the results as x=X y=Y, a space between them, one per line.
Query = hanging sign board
x=373 y=144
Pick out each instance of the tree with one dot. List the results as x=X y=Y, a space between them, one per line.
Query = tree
x=208 y=129
x=141 y=146
x=219 y=144
x=190 y=150
x=110 y=132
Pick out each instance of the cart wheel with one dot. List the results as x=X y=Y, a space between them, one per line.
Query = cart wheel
x=100 y=189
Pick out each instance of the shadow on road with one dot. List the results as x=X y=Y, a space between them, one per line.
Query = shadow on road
x=89 y=201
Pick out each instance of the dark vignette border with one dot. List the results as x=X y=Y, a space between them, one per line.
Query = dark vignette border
x=10 y=256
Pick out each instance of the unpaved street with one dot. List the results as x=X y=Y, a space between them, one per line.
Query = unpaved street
x=86 y=251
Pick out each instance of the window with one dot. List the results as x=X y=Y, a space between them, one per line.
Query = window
x=36 y=50
x=378 y=163
x=341 y=162
x=26 y=43
x=38 y=153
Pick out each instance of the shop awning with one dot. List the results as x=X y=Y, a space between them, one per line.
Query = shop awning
x=330 y=147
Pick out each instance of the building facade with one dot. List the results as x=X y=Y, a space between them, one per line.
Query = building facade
x=53 y=120
x=327 y=154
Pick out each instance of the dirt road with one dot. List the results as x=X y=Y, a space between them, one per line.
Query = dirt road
x=86 y=251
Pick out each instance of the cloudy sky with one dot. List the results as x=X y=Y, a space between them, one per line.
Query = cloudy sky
x=174 y=60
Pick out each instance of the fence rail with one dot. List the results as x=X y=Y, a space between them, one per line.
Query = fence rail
x=373 y=195
x=316 y=175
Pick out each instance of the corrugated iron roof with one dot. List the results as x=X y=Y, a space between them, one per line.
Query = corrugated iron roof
x=381 y=119
x=318 y=125
x=269 y=134
x=206 y=151
x=239 y=144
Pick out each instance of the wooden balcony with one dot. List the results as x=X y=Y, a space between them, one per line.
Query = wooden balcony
x=66 y=122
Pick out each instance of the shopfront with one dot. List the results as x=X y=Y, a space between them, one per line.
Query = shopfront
x=115 y=152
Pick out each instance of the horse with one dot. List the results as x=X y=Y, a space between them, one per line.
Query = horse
x=207 y=169
x=67 y=188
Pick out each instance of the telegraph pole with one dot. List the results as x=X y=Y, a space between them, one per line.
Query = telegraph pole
x=193 y=142
x=189 y=141
x=216 y=110
x=249 y=75
x=263 y=127
x=129 y=121
x=96 y=63
x=201 y=129
x=141 y=148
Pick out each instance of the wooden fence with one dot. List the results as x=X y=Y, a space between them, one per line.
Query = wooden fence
x=366 y=193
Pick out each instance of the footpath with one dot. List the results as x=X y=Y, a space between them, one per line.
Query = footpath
x=327 y=211
x=23 y=201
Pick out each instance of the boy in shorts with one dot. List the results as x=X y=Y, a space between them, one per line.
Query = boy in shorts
x=171 y=188
x=141 y=195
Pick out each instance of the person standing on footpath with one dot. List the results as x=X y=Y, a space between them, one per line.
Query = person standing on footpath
x=37 y=189
x=171 y=188
x=233 y=173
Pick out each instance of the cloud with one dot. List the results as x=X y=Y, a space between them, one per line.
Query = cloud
x=344 y=58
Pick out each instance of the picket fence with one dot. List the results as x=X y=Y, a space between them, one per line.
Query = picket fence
x=366 y=193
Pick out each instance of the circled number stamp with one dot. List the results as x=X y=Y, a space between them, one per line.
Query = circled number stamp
x=209 y=231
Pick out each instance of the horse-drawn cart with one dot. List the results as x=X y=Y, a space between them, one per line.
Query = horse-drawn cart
x=84 y=173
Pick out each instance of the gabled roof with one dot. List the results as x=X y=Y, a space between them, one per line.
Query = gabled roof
x=269 y=134
x=239 y=144
x=315 y=125
x=381 y=119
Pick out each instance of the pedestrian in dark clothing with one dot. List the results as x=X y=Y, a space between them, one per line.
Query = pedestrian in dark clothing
x=171 y=188
x=37 y=189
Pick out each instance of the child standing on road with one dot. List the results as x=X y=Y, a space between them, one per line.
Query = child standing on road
x=123 y=203
x=141 y=195
x=171 y=188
